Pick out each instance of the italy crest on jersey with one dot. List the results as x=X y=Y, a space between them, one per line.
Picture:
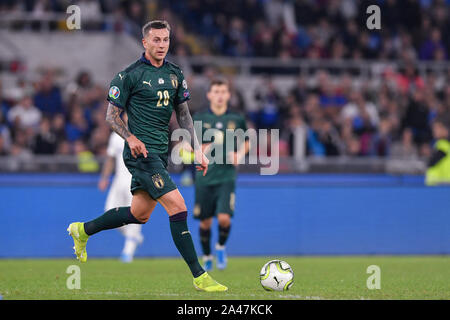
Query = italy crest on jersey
x=114 y=92
x=174 y=80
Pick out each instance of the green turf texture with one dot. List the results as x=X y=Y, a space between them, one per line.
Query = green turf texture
x=416 y=277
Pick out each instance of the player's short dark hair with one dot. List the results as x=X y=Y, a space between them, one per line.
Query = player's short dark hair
x=218 y=82
x=155 y=24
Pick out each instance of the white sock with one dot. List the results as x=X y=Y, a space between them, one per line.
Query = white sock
x=129 y=247
x=207 y=258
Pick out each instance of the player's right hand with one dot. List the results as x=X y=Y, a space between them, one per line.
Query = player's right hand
x=201 y=162
x=137 y=147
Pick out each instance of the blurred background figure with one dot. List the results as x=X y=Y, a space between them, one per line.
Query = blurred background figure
x=119 y=194
x=439 y=164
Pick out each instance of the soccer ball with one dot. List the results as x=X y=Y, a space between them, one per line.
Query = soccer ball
x=276 y=275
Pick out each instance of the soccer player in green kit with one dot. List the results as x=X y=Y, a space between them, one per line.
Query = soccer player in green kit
x=215 y=192
x=148 y=90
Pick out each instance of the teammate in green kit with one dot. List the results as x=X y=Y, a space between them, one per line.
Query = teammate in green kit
x=215 y=192
x=148 y=90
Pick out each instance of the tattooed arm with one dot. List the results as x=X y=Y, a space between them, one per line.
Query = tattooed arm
x=185 y=121
x=116 y=123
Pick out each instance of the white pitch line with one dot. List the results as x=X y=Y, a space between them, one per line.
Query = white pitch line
x=284 y=296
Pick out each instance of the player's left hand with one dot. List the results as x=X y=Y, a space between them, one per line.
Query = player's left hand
x=103 y=184
x=201 y=162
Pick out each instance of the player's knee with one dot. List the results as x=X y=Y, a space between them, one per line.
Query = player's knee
x=179 y=207
x=206 y=224
x=224 y=220
x=144 y=219
x=141 y=215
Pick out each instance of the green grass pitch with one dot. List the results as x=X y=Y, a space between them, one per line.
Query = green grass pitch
x=402 y=277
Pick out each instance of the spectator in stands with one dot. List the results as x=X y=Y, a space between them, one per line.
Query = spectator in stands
x=329 y=98
x=315 y=146
x=299 y=91
x=405 y=148
x=99 y=140
x=64 y=148
x=100 y=132
x=353 y=147
x=136 y=17
x=77 y=128
x=86 y=159
x=363 y=114
x=382 y=139
x=416 y=117
x=58 y=127
x=329 y=138
x=20 y=88
x=408 y=80
x=3 y=150
x=82 y=90
x=264 y=44
x=432 y=46
x=237 y=101
x=20 y=147
x=5 y=133
x=438 y=171
x=293 y=133
x=269 y=101
x=25 y=114
x=48 y=96
x=45 y=140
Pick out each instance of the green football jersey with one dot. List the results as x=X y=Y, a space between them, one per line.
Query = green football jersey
x=218 y=173
x=148 y=95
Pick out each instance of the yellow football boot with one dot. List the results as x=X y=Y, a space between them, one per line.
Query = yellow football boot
x=80 y=238
x=204 y=282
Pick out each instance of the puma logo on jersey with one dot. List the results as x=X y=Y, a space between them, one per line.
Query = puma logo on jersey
x=149 y=84
x=121 y=77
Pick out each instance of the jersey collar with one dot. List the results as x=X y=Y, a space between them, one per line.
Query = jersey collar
x=145 y=60
x=226 y=112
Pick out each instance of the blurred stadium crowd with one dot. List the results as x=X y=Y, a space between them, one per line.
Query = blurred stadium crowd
x=271 y=28
x=47 y=117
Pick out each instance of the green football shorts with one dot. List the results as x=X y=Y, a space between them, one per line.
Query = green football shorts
x=213 y=199
x=149 y=174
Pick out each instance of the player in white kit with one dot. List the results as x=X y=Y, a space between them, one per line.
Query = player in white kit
x=119 y=195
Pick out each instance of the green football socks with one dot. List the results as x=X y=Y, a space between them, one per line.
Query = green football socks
x=224 y=232
x=205 y=241
x=111 y=219
x=183 y=241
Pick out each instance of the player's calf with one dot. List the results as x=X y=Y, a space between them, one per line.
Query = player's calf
x=111 y=219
